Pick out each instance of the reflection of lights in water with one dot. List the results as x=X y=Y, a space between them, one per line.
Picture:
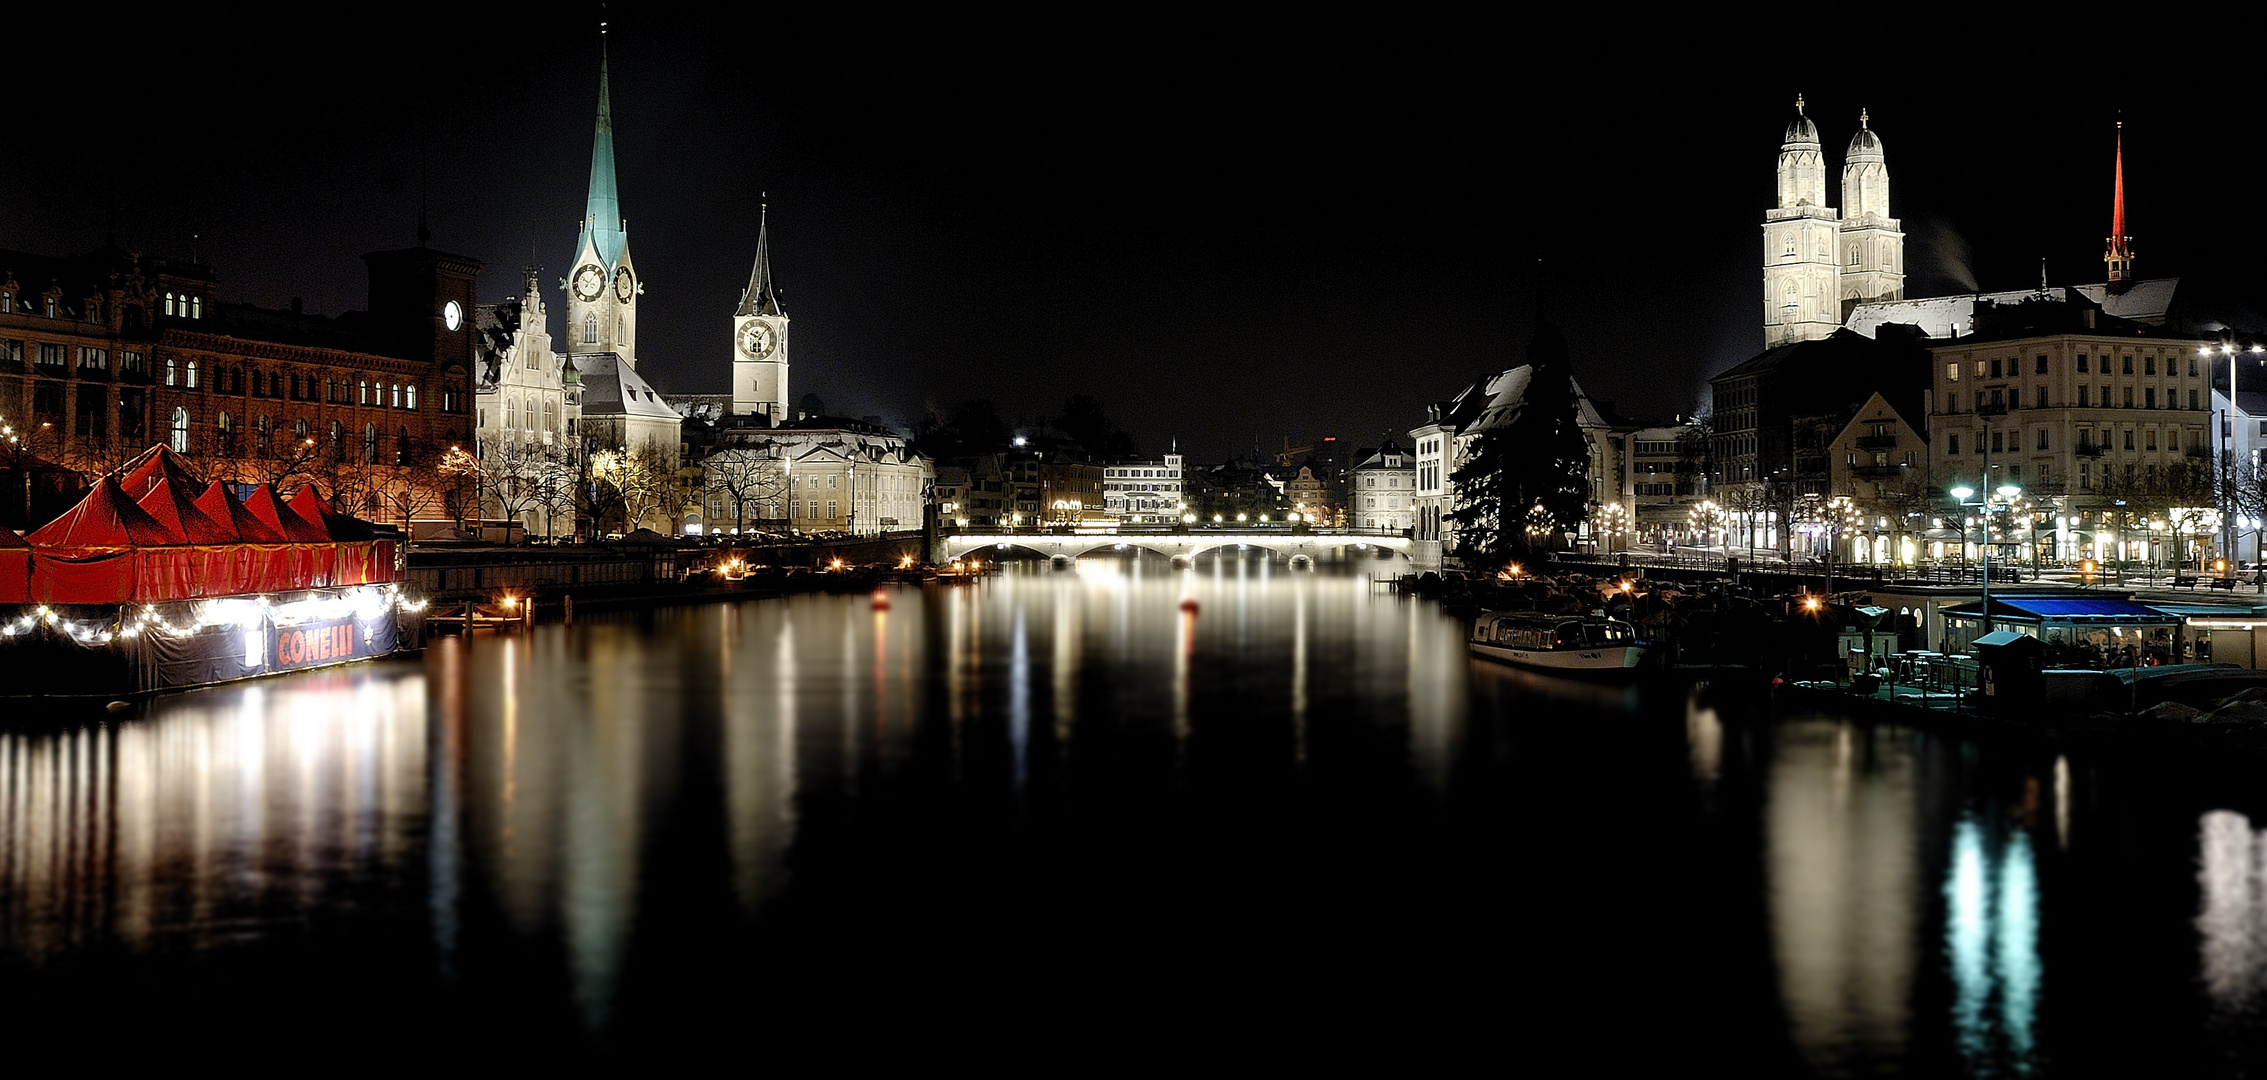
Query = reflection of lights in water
x=2062 y=802
x=1299 y=676
x=1992 y=941
x=1019 y=699
x=1704 y=741
x=1842 y=878
x=184 y=828
x=2232 y=928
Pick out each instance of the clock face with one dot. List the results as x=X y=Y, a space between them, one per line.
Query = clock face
x=589 y=281
x=758 y=339
x=451 y=315
x=624 y=288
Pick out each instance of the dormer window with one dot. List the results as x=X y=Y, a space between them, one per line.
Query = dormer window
x=48 y=307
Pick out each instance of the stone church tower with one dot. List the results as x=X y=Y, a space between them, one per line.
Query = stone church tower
x=1818 y=263
x=759 y=341
x=602 y=286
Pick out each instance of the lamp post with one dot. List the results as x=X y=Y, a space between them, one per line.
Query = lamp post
x=2007 y=494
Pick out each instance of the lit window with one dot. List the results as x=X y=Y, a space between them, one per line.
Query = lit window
x=180 y=431
x=192 y=374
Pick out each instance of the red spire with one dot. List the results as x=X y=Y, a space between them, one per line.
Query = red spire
x=2119 y=254
x=2117 y=206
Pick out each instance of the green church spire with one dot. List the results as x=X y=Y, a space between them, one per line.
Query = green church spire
x=603 y=216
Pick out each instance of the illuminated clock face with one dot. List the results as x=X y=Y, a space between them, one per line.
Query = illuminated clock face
x=624 y=288
x=758 y=339
x=451 y=315
x=589 y=281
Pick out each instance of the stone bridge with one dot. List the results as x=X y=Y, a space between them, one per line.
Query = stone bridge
x=1319 y=545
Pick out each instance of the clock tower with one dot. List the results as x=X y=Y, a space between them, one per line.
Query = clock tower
x=602 y=285
x=759 y=341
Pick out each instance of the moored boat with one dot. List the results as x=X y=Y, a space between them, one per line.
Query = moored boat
x=1567 y=644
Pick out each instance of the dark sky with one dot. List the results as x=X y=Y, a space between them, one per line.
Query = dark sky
x=1225 y=224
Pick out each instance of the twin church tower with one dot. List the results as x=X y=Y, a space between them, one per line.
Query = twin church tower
x=1819 y=262
x=603 y=289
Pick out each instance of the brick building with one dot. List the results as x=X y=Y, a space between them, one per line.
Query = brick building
x=104 y=355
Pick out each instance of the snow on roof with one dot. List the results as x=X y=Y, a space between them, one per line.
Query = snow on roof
x=1954 y=316
x=1506 y=392
x=611 y=387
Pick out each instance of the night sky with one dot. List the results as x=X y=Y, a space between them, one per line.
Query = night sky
x=1226 y=225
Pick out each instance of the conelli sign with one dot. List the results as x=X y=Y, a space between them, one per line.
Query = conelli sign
x=315 y=643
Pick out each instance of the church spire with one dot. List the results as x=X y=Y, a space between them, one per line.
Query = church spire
x=602 y=217
x=761 y=298
x=2119 y=254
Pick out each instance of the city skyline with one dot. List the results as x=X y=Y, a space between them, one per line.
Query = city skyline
x=1222 y=227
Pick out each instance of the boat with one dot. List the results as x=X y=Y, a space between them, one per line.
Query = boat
x=1565 y=644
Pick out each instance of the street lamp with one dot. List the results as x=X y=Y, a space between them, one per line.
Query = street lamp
x=2006 y=493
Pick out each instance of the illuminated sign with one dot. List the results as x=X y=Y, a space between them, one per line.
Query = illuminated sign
x=315 y=643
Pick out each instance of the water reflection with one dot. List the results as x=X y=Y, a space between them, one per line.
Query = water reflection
x=1841 y=850
x=239 y=812
x=1992 y=941
x=2232 y=928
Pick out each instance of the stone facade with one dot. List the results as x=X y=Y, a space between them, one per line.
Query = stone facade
x=1820 y=263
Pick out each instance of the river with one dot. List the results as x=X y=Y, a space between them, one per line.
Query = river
x=1117 y=815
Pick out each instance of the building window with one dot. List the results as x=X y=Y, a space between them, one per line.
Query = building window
x=2082 y=397
x=2128 y=397
x=2148 y=397
x=2082 y=363
x=299 y=429
x=2041 y=366
x=267 y=435
x=2129 y=365
x=1952 y=443
x=338 y=437
x=192 y=374
x=2148 y=365
x=12 y=355
x=180 y=431
x=47 y=306
x=94 y=361
x=1952 y=372
x=2042 y=397
x=370 y=443
x=397 y=395
x=2042 y=438
x=364 y=392
x=1998 y=439
x=2129 y=438
x=590 y=330
x=225 y=427
x=409 y=399
x=2192 y=400
x=196 y=307
x=131 y=363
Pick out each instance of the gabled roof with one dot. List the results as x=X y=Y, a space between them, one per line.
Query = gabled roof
x=613 y=388
x=1496 y=400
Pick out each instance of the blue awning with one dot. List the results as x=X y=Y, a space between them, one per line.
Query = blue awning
x=2068 y=609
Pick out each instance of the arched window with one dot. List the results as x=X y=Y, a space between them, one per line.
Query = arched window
x=227 y=431
x=192 y=374
x=370 y=443
x=397 y=395
x=511 y=413
x=299 y=428
x=172 y=376
x=267 y=433
x=180 y=431
x=338 y=437
x=590 y=330
x=410 y=400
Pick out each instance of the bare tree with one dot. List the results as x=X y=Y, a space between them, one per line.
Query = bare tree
x=511 y=477
x=742 y=477
x=648 y=483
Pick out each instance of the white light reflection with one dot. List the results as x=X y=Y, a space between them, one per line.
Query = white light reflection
x=1019 y=699
x=2232 y=928
x=1992 y=942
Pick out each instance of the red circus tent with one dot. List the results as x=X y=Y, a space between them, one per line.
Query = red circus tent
x=170 y=504
x=309 y=504
x=15 y=564
x=264 y=505
x=219 y=502
x=136 y=477
x=105 y=518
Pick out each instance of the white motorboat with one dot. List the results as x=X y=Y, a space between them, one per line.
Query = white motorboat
x=1566 y=644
